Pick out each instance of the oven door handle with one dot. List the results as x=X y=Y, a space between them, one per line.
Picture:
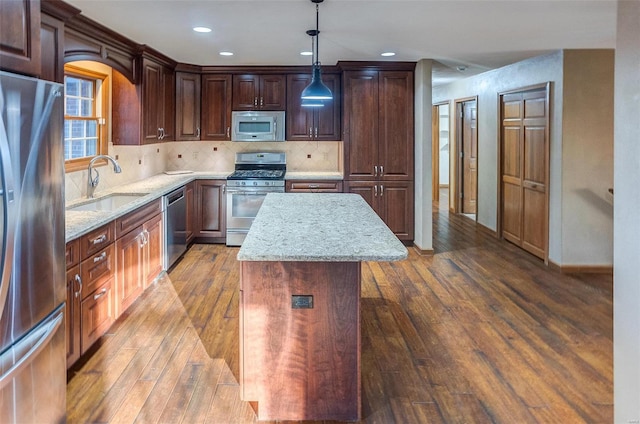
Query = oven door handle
x=250 y=193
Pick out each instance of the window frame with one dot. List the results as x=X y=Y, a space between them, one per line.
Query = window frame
x=101 y=95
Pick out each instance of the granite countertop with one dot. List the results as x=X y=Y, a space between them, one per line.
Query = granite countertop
x=319 y=228
x=78 y=223
x=313 y=175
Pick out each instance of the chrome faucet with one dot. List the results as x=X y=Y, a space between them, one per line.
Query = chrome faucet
x=92 y=183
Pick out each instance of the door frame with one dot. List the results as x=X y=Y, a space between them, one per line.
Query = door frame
x=546 y=86
x=435 y=148
x=457 y=171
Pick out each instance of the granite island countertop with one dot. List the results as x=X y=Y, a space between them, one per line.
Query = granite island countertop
x=319 y=228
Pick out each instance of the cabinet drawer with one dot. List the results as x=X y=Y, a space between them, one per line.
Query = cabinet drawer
x=314 y=186
x=97 y=268
x=136 y=218
x=97 y=240
x=97 y=314
x=72 y=253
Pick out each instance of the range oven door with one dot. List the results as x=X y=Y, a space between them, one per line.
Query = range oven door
x=242 y=207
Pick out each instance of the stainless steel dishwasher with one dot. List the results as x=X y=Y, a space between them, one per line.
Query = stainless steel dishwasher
x=175 y=226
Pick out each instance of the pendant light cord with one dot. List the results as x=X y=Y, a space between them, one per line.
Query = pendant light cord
x=317 y=34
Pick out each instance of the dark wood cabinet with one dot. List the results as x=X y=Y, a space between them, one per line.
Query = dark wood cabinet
x=259 y=92
x=144 y=113
x=210 y=213
x=216 y=107
x=130 y=279
x=52 y=49
x=20 y=36
x=153 y=248
x=187 y=106
x=313 y=186
x=312 y=123
x=391 y=200
x=379 y=143
x=158 y=102
x=139 y=253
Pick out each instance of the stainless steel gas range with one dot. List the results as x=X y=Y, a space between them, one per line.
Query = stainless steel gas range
x=256 y=174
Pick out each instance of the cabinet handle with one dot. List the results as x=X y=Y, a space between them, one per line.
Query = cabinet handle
x=381 y=190
x=79 y=281
x=310 y=132
x=375 y=191
x=228 y=132
x=313 y=186
x=146 y=236
x=99 y=240
x=99 y=295
x=375 y=171
x=316 y=133
x=255 y=101
x=224 y=188
x=100 y=257
x=261 y=101
x=198 y=132
x=381 y=170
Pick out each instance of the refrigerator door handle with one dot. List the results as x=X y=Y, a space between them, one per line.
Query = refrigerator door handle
x=32 y=343
x=7 y=203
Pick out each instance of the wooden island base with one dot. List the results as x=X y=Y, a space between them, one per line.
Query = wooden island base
x=300 y=339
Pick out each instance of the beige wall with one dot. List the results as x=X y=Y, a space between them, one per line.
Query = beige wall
x=587 y=158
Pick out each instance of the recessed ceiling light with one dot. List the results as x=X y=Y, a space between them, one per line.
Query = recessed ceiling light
x=201 y=29
x=306 y=53
x=387 y=54
x=226 y=53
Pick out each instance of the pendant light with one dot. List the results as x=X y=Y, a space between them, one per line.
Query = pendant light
x=316 y=90
x=312 y=102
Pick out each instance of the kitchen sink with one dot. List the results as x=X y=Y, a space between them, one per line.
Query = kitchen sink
x=107 y=203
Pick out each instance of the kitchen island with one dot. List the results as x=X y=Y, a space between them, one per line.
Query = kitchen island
x=300 y=304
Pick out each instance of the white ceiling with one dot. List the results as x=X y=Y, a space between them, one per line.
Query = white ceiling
x=477 y=34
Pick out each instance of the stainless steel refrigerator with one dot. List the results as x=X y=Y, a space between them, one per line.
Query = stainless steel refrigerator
x=33 y=293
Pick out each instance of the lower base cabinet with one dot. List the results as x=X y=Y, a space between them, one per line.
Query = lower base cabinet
x=391 y=200
x=97 y=314
x=107 y=270
x=211 y=210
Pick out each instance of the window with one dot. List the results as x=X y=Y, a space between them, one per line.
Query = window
x=84 y=117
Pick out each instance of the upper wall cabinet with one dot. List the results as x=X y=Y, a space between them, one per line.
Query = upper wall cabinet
x=216 y=107
x=187 y=106
x=259 y=92
x=144 y=113
x=312 y=123
x=20 y=36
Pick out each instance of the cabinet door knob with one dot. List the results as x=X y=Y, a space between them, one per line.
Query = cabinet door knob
x=375 y=171
x=198 y=132
x=375 y=191
x=261 y=101
x=381 y=190
x=228 y=132
x=381 y=170
x=310 y=132
x=255 y=101
x=316 y=133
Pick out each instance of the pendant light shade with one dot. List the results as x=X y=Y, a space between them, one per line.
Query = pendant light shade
x=316 y=90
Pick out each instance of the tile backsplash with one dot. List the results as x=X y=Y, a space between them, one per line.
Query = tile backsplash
x=140 y=162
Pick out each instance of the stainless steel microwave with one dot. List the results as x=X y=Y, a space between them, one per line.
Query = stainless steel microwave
x=257 y=126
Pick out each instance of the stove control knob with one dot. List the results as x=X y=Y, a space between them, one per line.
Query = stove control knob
x=267 y=183
x=243 y=183
x=255 y=183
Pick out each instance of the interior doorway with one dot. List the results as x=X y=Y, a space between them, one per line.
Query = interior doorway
x=440 y=149
x=466 y=172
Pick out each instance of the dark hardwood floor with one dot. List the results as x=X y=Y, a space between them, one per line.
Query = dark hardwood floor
x=481 y=332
